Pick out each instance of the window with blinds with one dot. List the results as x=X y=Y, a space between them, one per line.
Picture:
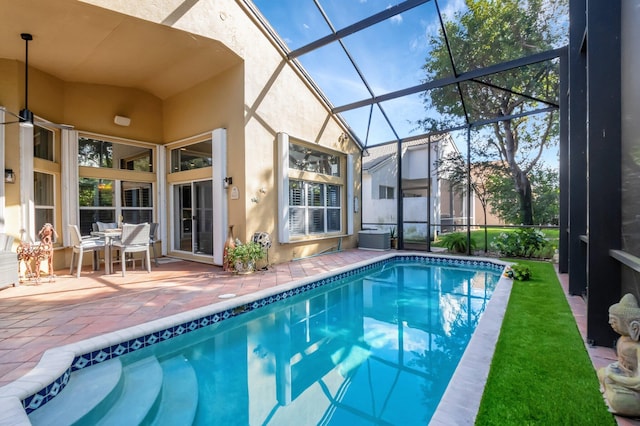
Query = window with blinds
x=314 y=208
x=137 y=205
x=386 y=192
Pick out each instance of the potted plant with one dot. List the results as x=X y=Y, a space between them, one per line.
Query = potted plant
x=394 y=238
x=243 y=257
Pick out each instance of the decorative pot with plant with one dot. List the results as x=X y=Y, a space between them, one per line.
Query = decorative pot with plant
x=243 y=257
x=394 y=237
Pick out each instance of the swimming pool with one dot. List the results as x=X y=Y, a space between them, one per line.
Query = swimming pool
x=343 y=347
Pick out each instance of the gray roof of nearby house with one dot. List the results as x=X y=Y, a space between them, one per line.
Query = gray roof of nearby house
x=378 y=154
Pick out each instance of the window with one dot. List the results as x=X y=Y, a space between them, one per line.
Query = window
x=314 y=208
x=315 y=193
x=42 y=143
x=386 y=192
x=122 y=190
x=106 y=154
x=137 y=205
x=311 y=160
x=97 y=202
x=195 y=156
x=44 y=196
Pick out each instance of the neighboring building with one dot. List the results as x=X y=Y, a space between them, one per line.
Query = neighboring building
x=185 y=116
x=380 y=190
x=444 y=207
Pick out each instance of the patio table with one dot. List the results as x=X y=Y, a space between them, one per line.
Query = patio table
x=108 y=235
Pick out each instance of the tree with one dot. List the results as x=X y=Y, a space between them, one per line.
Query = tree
x=489 y=32
x=545 y=196
x=453 y=167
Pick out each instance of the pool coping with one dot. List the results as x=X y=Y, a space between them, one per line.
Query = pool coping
x=52 y=372
x=461 y=401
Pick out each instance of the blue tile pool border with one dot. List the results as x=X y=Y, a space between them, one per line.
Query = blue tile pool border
x=37 y=400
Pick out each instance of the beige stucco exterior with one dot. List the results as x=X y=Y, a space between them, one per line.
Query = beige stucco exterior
x=178 y=73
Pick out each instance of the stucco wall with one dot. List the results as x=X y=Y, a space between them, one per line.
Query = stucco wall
x=276 y=99
x=255 y=99
x=92 y=108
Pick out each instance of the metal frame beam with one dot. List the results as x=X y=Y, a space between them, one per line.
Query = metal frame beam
x=563 y=246
x=577 y=154
x=354 y=28
x=465 y=76
x=604 y=137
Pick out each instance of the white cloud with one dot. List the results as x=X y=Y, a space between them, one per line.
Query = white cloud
x=396 y=19
x=305 y=26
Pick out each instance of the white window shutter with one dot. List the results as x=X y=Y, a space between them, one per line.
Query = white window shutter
x=283 y=188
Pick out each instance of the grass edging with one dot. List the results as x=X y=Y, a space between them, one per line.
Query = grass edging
x=541 y=372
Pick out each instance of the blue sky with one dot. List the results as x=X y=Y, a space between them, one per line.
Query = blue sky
x=390 y=55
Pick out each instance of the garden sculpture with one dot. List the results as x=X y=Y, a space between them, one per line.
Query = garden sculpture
x=620 y=382
x=29 y=252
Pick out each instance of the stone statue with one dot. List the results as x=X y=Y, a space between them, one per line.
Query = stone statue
x=620 y=382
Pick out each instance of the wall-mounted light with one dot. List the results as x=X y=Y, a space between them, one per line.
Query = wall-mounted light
x=9 y=176
x=121 y=120
x=228 y=181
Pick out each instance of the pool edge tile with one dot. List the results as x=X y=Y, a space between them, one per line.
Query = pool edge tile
x=463 y=394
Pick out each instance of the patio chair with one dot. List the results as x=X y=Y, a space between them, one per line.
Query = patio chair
x=134 y=239
x=153 y=239
x=81 y=245
x=102 y=226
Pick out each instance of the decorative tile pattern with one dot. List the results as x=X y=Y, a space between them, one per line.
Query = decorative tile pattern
x=35 y=401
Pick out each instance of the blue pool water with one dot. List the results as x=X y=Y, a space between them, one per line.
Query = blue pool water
x=374 y=348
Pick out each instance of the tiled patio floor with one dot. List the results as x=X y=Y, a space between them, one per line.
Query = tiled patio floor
x=36 y=317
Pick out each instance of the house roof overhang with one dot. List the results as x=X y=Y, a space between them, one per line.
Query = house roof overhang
x=78 y=42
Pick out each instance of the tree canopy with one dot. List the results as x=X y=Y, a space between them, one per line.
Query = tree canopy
x=486 y=33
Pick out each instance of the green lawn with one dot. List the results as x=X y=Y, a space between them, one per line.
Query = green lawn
x=541 y=373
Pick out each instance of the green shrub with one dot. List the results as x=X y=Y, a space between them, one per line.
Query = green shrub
x=456 y=242
x=523 y=242
x=245 y=256
x=520 y=272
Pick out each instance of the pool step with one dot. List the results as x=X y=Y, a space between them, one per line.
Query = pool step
x=179 y=398
x=89 y=391
x=140 y=390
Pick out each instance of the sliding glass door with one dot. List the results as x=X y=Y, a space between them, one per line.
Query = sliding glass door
x=193 y=217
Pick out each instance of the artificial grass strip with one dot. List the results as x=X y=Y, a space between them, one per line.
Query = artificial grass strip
x=541 y=373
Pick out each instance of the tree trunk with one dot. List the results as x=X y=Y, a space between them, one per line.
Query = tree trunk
x=486 y=236
x=523 y=186
x=520 y=178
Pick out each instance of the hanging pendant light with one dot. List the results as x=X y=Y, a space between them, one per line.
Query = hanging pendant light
x=25 y=116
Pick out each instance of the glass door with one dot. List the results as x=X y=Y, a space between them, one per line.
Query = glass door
x=193 y=217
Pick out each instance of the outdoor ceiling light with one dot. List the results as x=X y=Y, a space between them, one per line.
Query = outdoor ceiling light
x=9 y=176
x=121 y=120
